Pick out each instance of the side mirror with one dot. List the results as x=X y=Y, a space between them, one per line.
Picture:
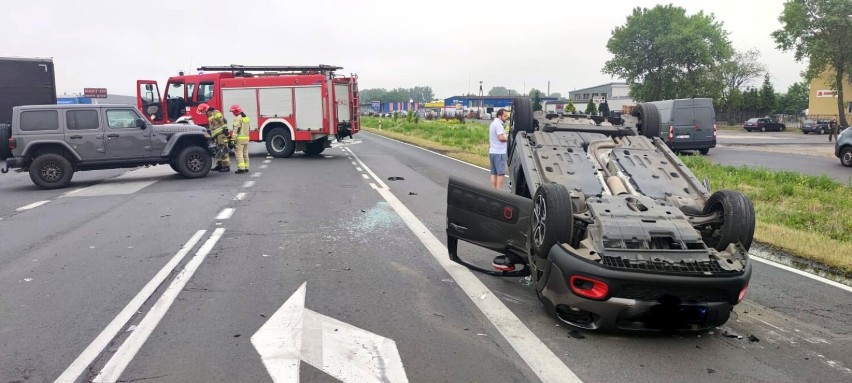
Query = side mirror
x=140 y=123
x=149 y=87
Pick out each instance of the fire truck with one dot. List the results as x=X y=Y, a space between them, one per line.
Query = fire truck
x=291 y=107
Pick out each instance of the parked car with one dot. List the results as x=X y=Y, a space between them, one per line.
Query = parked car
x=52 y=142
x=818 y=126
x=683 y=124
x=843 y=147
x=763 y=124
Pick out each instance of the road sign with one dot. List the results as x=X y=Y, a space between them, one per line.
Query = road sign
x=346 y=352
x=598 y=99
x=95 y=92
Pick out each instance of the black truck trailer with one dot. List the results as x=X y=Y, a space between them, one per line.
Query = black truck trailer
x=23 y=81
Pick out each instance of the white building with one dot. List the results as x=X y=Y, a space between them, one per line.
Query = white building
x=615 y=94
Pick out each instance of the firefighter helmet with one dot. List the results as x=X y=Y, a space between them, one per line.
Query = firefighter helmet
x=235 y=109
x=202 y=108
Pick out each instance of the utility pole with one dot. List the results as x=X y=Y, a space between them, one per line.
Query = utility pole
x=548 y=89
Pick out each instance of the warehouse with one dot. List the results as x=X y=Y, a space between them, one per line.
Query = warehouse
x=615 y=94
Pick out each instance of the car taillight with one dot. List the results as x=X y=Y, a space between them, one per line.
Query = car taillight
x=588 y=288
x=742 y=293
x=13 y=143
x=671 y=133
x=697 y=126
x=714 y=131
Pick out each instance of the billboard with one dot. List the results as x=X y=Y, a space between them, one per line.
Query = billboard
x=95 y=92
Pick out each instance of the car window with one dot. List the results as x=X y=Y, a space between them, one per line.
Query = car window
x=121 y=118
x=37 y=120
x=86 y=119
x=189 y=89
x=752 y=120
x=205 y=91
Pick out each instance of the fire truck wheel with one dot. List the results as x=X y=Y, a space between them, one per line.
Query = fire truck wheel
x=279 y=144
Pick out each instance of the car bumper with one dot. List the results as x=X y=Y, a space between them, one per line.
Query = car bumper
x=691 y=145
x=640 y=301
x=14 y=163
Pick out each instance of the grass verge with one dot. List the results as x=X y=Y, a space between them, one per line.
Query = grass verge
x=806 y=216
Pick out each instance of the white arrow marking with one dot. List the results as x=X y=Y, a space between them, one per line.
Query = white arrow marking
x=341 y=350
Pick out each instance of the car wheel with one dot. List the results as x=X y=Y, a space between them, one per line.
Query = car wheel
x=649 y=116
x=704 y=151
x=51 y=171
x=783 y=128
x=521 y=119
x=737 y=224
x=763 y=129
x=5 y=133
x=804 y=132
x=748 y=130
x=194 y=162
x=279 y=144
x=821 y=130
x=846 y=156
x=551 y=221
x=174 y=167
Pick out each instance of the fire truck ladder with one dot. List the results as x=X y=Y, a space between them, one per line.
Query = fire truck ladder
x=238 y=69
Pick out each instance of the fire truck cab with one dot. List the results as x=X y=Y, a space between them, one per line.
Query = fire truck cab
x=290 y=107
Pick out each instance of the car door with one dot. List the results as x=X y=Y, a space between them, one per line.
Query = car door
x=483 y=216
x=126 y=138
x=84 y=132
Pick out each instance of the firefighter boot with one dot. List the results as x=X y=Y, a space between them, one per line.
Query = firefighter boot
x=225 y=169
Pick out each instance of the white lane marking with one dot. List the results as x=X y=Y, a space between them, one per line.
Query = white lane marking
x=267 y=161
x=122 y=357
x=256 y=174
x=239 y=196
x=226 y=213
x=366 y=177
x=269 y=158
x=87 y=357
x=802 y=273
x=248 y=184
x=378 y=180
x=430 y=151
x=541 y=360
x=348 y=353
x=358 y=168
x=127 y=183
x=354 y=163
x=31 y=206
x=264 y=166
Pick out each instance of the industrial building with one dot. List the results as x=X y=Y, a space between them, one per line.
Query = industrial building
x=615 y=94
x=822 y=98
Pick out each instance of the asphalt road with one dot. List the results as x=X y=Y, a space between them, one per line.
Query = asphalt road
x=368 y=252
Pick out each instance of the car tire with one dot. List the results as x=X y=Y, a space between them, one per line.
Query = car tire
x=552 y=219
x=174 y=167
x=846 y=156
x=821 y=131
x=279 y=144
x=5 y=134
x=763 y=129
x=650 y=120
x=521 y=119
x=194 y=162
x=783 y=128
x=51 y=171
x=704 y=151
x=737 y=220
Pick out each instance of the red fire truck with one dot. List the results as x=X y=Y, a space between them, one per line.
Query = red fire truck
x=291 y=107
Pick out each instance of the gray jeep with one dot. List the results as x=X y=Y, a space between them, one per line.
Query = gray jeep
x=54 y=141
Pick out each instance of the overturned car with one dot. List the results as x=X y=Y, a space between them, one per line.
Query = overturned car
x=612 y=228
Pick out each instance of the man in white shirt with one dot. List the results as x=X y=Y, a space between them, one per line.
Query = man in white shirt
x=497 y=151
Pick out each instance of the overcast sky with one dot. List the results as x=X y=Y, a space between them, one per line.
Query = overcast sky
x=448 y=45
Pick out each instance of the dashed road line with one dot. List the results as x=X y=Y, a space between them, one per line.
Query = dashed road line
x=267 y=161
x=226 y=213
x=264 y=166
x=256 y=174
x=358 y=169
x=239 y=196
x=366 y=177
x=113 y=328
x=248 y=184
x=32 y=206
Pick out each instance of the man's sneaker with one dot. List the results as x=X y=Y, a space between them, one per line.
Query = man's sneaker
x=503 y=263
x=224 y=169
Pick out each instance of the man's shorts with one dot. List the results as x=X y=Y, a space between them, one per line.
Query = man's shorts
x=498 y=164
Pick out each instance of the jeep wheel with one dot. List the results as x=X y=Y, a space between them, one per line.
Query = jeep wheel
x=552 y=219
x=737 y=224
x=174 y=167
x=194 y=162
x=650 y=120
x=5 y=133
x=521 y=119
x=51 y=171
x=846 y=156
x=279 y=144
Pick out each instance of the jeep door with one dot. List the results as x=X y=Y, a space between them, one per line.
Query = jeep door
x=84 y=132
x=125 y=138
x=486 y=217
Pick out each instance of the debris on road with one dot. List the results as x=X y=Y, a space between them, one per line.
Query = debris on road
x=396 y=179
x=752 y=338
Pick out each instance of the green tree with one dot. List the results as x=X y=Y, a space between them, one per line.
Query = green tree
x=751 y=100
x=556 y=95
x=819 y=31
x=795 y=100
x=604 y=109
x=502 y=91
x=536 y=96
x=734 y=101
x=421 y=93
x=768 y=101
x=739 y=71
x=591 y=108
x=664 y=54
x=570 y=108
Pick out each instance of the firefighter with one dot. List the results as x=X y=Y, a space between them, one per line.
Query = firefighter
x=219 y=132
x=241 y=131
